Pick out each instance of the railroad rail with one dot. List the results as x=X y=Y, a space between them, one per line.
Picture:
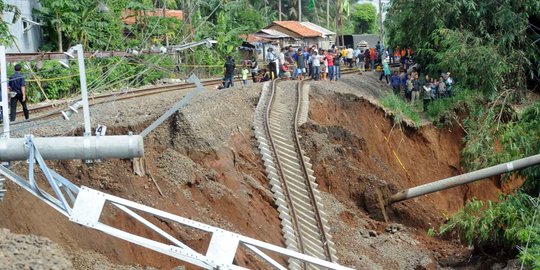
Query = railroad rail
x=305 y=227
x=55 y=108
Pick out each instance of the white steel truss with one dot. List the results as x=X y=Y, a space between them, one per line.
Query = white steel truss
x=85 y=206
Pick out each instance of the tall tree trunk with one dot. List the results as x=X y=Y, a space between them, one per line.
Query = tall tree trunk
x=328 y=13
x=338 y=11
x=164 y=16
x=59 y=32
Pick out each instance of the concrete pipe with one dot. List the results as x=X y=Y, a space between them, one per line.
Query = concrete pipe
x=65 y=148
x=465 y=178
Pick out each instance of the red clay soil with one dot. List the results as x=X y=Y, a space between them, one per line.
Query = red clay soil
x=401 y=156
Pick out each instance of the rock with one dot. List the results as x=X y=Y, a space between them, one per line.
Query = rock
x=394 y=228
x=372 y=233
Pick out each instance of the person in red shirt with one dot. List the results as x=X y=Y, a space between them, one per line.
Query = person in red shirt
x=372 y=56
x=330 y=65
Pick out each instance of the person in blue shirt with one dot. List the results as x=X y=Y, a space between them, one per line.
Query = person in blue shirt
x=17 y=84
x=396 y=82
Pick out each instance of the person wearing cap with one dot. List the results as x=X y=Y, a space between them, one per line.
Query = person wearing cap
x=17 y=85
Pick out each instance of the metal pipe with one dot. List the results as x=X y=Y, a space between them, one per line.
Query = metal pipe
x=4 y=84
x=65 y=148
x=84 y=92
x=465 y=178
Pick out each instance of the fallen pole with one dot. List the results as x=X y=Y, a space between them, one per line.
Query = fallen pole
x=65 y=148
x=465 y=178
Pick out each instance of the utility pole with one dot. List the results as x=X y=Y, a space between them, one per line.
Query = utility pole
x=299 y=10
x=279 y=7
x=5 y=110
x=381 y=30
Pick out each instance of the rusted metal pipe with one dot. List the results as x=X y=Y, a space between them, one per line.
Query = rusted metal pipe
x=465 y=178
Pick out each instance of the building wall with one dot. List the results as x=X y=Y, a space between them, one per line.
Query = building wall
x=27 y=41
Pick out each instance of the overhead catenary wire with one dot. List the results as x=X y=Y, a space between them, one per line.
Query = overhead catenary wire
x=100 y=84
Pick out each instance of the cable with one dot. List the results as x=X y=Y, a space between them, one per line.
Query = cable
x=98 y=83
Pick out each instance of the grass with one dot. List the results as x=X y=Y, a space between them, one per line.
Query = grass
x=402 y=111
x=442 y=112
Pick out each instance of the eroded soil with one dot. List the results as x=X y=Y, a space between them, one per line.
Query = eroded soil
x=206 y=162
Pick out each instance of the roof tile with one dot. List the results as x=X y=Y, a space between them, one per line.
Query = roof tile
x=298 y=28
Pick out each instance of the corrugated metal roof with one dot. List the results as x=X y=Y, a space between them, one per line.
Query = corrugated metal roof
x=318 y=28
x=271 y=33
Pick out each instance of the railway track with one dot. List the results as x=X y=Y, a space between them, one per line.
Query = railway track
x=52 y=109
x=305 y=227
x=55 y=108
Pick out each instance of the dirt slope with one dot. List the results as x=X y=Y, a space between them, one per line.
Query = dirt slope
x=206 y=162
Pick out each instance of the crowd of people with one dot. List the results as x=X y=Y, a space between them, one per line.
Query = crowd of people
x=325 y=64
x=413 y=86
x=304 y=62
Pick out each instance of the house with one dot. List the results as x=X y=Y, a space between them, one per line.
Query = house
x=27 y=30
x=328 y=37
x=302 y=35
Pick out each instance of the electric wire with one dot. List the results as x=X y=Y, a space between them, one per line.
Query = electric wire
x=132 y=79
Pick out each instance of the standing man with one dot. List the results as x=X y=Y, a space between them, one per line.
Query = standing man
x=281 y=58
x=300 y=64
x=361 y=61
x=350 y=56
x=229 y=72
x=254 y=69
x=338 y=56
x=17 y=84
x=316 y=65
x=271 y=59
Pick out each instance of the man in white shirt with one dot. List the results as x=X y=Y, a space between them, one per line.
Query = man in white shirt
x=350 y=56
x=316 y=65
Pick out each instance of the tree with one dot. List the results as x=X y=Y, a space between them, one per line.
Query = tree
x=364 y=18
x=5 y=36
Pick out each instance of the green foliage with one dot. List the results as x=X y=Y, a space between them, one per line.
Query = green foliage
x=102 y=74
x=364 y=18
x=6 y=37
x=517 y=135
x=490 y=49
x=446 y=111
x=500 y=226
x=54 y=88
x=401 y=110
x=484 y=45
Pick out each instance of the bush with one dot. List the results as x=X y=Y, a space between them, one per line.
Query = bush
x=102 y=74
x=444 y=111
x=505 y=227
x=400 y=109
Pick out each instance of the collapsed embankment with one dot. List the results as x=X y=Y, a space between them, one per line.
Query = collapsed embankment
x=206 y=162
